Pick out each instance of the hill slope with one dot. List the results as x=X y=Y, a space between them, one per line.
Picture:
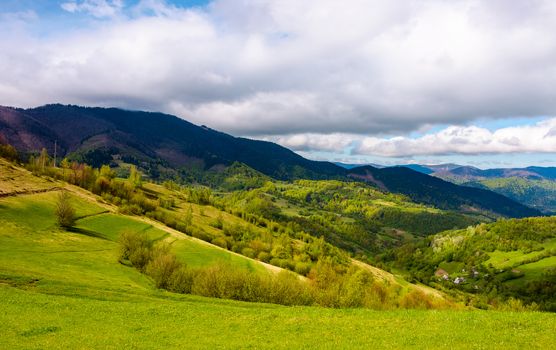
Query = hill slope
x=445 y=195
x=538 y=194
x=508 y=258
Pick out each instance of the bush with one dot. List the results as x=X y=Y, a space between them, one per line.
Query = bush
x=200 y=234
x=65 y=213
x=288 y=289
x=302 y=268
x=181 y=280
x=416 y=299
x=135 y=248
x=264 y=256
x=218 y=222
x=129 y=209
x=248 y=252
x=162 y=266
x=221 y=242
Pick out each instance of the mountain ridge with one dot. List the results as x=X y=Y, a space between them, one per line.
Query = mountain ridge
x=155 y=140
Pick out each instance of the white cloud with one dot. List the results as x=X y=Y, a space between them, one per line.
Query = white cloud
x=314 y=142
x=471 y=140
x=97 y=8
x=265 y=67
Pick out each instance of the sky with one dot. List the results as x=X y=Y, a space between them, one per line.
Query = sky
x=355 y=81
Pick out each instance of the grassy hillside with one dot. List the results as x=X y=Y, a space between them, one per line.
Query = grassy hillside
x=351 y=215
x=66 y=289
x=510 y=258
x=103 y=221
x=36 y=249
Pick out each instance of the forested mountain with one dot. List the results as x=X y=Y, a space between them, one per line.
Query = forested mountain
x=469 y=173
x=161 y=143
x=538 y=194
x=442 y=194
x=98 y=134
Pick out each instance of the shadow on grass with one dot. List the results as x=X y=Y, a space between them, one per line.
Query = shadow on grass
x=89 y=233
x=90 y=215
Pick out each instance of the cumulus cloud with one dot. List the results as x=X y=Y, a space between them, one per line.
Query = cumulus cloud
x=267 y=67
x=314 y=142
x=472 y=140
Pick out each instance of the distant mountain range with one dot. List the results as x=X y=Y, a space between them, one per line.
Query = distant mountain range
x=154 y=140
x=464 y=173
x=533 y=186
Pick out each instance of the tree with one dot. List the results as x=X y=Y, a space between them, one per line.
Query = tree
x=8 y=151
x=106 y=172
x=65 y=165
x=188 y=218
x=65 y=213
x=43 y=160
x=134 y=177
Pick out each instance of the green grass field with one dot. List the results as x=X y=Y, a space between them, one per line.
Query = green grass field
x=502 y=260
x=161 y=321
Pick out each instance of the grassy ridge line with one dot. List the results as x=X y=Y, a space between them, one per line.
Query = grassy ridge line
x=33 y=320
x=173 y=233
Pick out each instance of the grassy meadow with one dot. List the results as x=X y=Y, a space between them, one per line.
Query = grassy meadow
x=162 y=320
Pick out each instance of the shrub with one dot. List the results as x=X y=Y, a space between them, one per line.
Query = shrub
x=218 y=222
x=135 y=248
x=288 y=289
x=248 y=252
x=264 y=256
x=130 y=209
x=162 y=266
x=354 y=288
x=181 y=280
x=416 y=299
x=65 y=213
x=200 y=234
x=302 y=268
x=221 y=242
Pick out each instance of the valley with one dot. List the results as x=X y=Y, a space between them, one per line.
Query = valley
x=62 y=288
